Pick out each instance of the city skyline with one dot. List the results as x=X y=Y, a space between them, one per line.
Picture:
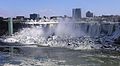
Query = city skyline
x=57 y=7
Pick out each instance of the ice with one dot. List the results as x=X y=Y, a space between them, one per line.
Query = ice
x=11 y=40
x=69 y=35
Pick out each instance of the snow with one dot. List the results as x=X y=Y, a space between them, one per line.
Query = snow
x=78 y=37
x=11 y=40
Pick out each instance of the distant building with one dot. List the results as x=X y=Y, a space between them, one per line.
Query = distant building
x=89 y=14
x=20 y=18
x=34 y=16
x=1 y=18
x=76 y=13
x=57 y=17
x=112 y=18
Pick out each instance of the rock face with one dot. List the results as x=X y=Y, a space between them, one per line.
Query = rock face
x=117 y=41
x=3 y=28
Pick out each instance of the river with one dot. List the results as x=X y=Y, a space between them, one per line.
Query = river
x=51 y=56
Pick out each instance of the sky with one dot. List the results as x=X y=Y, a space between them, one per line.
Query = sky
x=11 y=8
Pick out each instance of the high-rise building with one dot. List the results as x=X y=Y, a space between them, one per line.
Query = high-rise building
x=76 y=13
x=89 y=14
x=34 y=16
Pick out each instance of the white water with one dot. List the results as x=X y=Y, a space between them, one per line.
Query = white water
x=66 y=35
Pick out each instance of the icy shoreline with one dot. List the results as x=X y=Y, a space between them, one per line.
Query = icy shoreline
x=80 y=43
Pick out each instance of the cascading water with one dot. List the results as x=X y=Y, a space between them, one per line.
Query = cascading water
x=66 y=34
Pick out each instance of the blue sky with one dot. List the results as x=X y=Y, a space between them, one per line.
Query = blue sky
x=57 y=7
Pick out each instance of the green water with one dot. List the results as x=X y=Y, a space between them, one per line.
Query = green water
x=47 y=56
x=74 y=58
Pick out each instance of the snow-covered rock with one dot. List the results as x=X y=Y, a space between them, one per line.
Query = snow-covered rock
x=10 y=40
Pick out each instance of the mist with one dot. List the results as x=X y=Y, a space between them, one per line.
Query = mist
x=68 y=28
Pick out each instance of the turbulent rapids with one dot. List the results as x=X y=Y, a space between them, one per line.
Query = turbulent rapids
x=77 y=37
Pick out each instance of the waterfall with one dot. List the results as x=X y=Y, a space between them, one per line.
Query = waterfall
x=68 y=34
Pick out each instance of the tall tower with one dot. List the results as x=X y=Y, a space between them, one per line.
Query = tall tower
x=76 y=13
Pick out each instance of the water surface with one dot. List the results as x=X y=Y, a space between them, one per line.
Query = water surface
x=50 y=56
